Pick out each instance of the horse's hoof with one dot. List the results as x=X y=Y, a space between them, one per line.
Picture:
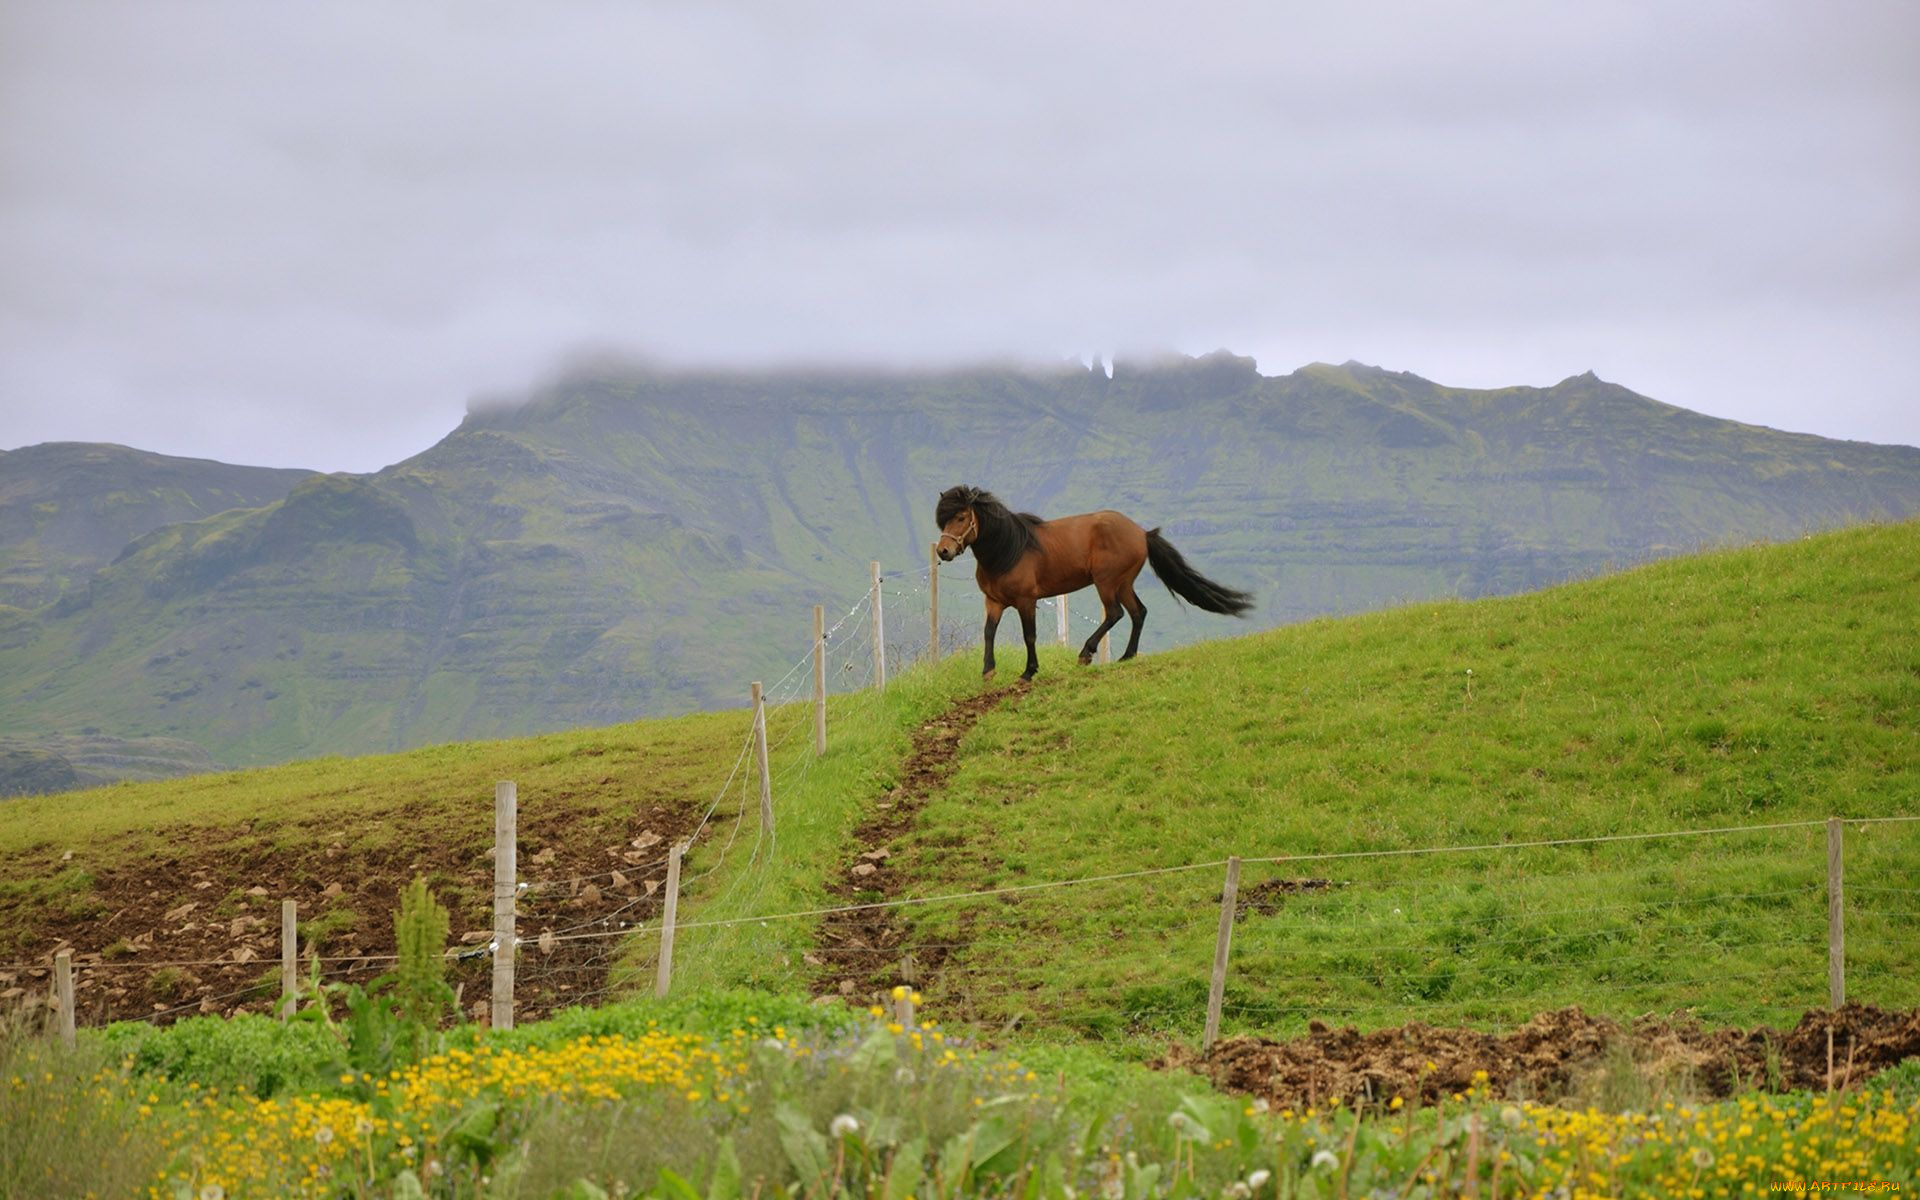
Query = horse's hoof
x=1086 y=660
x=986 y=676
x=1027 y=678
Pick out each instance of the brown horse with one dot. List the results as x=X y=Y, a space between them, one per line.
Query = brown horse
x=1022 y=558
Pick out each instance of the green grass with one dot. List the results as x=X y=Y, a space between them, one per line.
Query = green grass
x=1773 y=685
x=68 y=1119
x=817 y=801
x=1766 y=685
x=591 y=769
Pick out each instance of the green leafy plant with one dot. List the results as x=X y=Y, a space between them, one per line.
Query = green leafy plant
x=246 y=1054
x=395 y=1019
x=419 y=981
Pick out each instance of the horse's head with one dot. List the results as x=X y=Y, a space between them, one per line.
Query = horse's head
x=959 y=522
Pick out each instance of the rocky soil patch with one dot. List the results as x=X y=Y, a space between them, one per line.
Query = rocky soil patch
x=196 y=929
x=1546 y=1056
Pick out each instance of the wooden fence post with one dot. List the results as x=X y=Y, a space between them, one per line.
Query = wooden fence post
x=1060 y=616
x=505 y=883
x=1106 y=647
x=760 y=757
x=933 y=603
x=289 y=958
x=63 y=993
x=819 y=680
x=879 y=634
x=1217 y=991
x=663 y=978
x=1836 y=920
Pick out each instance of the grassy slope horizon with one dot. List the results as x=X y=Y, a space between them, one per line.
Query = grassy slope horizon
x=636 y=542
x=1770 y=684
x=1766 y=685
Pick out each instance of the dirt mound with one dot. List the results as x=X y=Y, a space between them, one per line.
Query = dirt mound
x=196 y=930
x=1548 y=1054
x=1266 y=898
x=863 y=952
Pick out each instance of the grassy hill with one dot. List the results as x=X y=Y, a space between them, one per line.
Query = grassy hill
x=632 y=542
x=1761 y=686
x=1772 y=685
x=189 y=874
x=1769 y=685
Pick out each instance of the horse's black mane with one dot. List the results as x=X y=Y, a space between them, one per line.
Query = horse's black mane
x=1005 y=535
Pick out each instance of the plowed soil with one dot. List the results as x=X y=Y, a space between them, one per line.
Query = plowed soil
x=196 y=930
x=863 y=953
x=1547 y=1056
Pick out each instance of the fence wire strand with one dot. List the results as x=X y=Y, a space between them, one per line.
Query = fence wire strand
x=986 y=931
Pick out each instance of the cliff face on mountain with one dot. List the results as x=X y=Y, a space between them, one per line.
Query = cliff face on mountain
x=636 y=542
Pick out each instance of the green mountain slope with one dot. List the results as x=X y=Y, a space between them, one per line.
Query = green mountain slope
x=632 y=542
x=67 y=508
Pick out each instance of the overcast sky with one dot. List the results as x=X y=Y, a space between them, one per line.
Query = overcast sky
x=309 y=235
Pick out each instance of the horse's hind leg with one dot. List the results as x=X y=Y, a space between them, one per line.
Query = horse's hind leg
x=1113 y=611
x=1027 y=627
x=993 y=623
x=1137 y=609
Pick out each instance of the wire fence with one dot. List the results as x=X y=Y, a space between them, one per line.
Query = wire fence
x=1359 y=935
x=1745 y=936
x=570 y=923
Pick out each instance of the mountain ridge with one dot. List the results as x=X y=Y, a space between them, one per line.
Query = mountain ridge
x=66 y=508
x=636 y=541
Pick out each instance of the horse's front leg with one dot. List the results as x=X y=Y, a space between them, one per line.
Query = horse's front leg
x=993 y=623
x=1027 y=628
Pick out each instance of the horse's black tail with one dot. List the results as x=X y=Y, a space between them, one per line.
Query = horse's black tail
x=1189 y=584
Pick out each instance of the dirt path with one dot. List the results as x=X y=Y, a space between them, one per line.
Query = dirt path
x=1549 y=1055
x=862 y=954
